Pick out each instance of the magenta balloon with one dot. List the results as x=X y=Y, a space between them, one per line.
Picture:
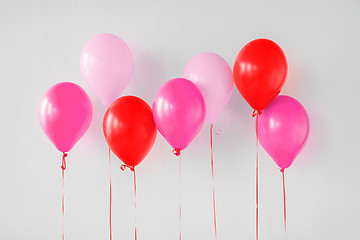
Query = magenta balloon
x=213 y=76
x=65 y=114
x=283 y=130
x=179 y=112
x=106 y=65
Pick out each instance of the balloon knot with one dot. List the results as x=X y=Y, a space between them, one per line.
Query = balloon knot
x=176 y=151
x=63 y=164
x=282 y=170
x=256 y=112
x=217 y=131
x=124 y=166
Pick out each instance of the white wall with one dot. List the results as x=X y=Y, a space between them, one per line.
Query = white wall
x=40 y=46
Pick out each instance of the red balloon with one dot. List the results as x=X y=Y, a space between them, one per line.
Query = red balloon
x=129 y=129
x=260 y=71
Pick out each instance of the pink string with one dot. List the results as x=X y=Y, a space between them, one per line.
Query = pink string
x=213 y=179
x=132 y=168
x=63 y=167
x=257 y=113
x=176 y=152
x=283 y=178
x=110 y=194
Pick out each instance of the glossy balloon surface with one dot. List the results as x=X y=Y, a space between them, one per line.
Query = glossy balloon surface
x=213 y=76
x=179 y=112
x=65 y=114
x=129 y=129
x=106 y=64
x=260 y=72
x=283 y=130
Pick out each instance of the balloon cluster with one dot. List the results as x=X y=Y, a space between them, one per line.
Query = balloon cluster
x=181 y=105
x=260 y=72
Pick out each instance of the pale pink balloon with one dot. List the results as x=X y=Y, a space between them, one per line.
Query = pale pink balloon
x=65 y=114
x=283 y=130
x=179 y=112
x=213 y=76
x=106 y=65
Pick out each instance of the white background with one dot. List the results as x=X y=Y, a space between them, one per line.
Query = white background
x=40 y=46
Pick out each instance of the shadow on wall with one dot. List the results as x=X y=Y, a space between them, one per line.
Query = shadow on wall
x=149 y=75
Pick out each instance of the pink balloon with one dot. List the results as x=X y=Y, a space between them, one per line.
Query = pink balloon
x=213 y=76
x=65 y=114
x=106 y=65
x=283 y=130
x=179 y=112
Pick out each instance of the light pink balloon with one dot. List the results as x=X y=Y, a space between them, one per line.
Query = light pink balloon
x=213 y=76
x=283 y=130
x=106 y=65
x=65 y=114
x=179 y=112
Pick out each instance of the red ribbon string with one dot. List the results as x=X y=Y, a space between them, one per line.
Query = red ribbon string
x=218 y=131
x=283 y=178
x=132 y=168
x=135 y=202
x=63 y=167
x=180 y=193
x=124 y=166
x=257 y=181
x=257 y=113
x=213 y=179
x=176 y=152
x=63 y=164
x=110 y=190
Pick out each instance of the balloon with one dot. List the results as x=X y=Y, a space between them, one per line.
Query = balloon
x=106 y=65
x=65 y=114
x=213 y=76
x=283 y=130
x=179 y=112
x=260 y=71
x=129 y=129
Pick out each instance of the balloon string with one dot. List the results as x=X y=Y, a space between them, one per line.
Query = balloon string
x=63 y=167
x=135 y=202
x=283 y=178
x=110 y=190
x=213 y=179
x=177 y=153
x=257 y=113
x=132 y=168
x=257 y=181
x=180 y=193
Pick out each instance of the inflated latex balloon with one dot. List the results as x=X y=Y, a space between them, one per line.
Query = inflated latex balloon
x=65 y=114
x=260 y=72
x=129 y=129
x=283 y=130
x=213 y=76
x=179 y=112
x=106 y=65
